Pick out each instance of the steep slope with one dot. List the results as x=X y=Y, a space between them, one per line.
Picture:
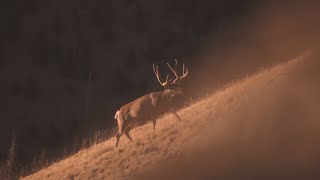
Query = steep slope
x=264 y=126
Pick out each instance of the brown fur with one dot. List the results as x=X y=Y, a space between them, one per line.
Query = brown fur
x=150 y=106
x=146 y=108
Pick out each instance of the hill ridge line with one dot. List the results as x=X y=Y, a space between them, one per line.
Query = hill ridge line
x=169 y=141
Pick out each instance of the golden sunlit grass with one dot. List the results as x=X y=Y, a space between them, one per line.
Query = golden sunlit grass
x=172 y=140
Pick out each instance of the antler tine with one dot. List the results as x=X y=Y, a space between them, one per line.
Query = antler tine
x=183 y=68
x=167 y=78
x=176 y=65
x=156 y=72
x=154 y=69
x=185 y=71
x=174 y=71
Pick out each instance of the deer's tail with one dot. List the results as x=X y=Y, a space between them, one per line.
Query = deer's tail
x=119 y=119
x=116 y=115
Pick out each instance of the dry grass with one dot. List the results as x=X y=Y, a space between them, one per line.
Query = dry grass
x=242 y=130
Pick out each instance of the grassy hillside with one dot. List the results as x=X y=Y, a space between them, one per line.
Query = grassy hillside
x=263 y=126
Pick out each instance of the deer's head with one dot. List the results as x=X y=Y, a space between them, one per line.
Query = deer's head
x=172 y=85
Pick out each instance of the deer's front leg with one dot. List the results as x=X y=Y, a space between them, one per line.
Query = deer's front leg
x=154 y=122
x=175 y=114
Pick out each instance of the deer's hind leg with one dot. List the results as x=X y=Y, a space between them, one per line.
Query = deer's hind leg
x=128 y=129
x=118 y=135
x=121 y=127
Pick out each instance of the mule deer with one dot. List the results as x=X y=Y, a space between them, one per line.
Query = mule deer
x=150 y=106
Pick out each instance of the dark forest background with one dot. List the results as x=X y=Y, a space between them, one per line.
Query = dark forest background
x=67 y=66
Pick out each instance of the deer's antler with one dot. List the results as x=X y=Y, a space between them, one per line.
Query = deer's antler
x=185 y=72
x=156 y=72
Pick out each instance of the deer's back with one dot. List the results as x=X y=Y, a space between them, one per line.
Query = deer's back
x=144 y=108
x=139 y=108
